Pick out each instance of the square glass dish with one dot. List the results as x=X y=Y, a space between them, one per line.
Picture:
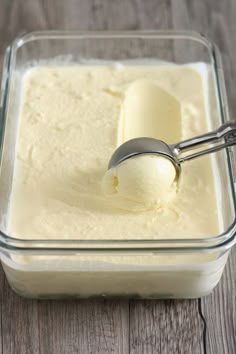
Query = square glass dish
x=142 y=268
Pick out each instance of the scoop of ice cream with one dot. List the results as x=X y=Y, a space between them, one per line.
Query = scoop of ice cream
x=148 y=180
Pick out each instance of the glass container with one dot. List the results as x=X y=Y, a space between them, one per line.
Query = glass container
x=180 y=268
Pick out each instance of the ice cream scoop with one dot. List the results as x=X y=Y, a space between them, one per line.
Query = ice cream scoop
x=147 y=181
x=178 y=153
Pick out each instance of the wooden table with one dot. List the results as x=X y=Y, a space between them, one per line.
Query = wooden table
x=121 y=326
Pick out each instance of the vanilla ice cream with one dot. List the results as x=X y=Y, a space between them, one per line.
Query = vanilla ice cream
x=72 y=119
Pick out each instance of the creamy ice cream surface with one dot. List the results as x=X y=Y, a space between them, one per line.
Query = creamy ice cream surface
x=72 y=118
x=148 y=181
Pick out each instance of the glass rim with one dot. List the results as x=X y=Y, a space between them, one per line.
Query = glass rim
x=224 y=240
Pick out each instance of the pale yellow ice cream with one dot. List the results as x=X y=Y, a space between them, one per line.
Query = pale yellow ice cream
x=148 y=181
x=71 y=123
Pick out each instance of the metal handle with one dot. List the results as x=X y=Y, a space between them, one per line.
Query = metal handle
x=223 y=137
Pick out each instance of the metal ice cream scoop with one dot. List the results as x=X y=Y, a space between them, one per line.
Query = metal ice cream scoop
x=178 y=153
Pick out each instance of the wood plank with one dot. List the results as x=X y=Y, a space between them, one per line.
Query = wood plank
x=164 y=327
x=88 y=326
x=106 y=14
x=19 y=330
x=220 y=311
x=19 y=317
x=63 y=327
x=159 y=326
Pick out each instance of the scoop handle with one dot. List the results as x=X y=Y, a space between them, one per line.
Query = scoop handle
x=221 y=138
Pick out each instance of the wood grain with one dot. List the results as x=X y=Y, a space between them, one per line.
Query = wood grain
x=165 y=327
x=19 y=330
x=220 y=311
x=58 y=327
x=98 y=326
